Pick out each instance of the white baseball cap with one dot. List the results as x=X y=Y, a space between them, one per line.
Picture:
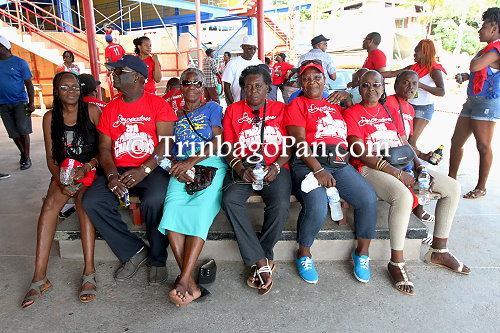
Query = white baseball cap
x=249 y=40
x=5 y=42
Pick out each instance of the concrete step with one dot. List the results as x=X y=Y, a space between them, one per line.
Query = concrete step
x=333 y=242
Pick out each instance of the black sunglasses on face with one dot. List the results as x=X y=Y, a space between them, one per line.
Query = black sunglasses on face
x=374 y=84
x=119 y=71
x=196 y=84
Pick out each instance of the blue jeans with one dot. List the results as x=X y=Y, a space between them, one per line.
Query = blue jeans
x=352 y=187
x=424 y=111
x=481 y=108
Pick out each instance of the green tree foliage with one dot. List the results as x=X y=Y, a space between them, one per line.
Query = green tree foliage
x=447 y=31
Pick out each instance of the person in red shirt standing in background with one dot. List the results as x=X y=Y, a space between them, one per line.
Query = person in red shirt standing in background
x=143 y=51
x=89 y=90
x=173 y=94
x=280 y=68
x=376 y=59
x=114 y=51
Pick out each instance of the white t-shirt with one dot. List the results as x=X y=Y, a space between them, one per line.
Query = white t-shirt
x=424 y=97
x=233 y=71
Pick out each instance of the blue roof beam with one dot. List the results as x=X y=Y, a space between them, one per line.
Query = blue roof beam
x=188 y=5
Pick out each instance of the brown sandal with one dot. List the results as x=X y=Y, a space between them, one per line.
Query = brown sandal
x=475 y=194
x=37 y=287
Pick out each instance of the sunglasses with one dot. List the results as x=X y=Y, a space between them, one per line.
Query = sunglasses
x=374 y=84
x=256 y=119
x=314 y=61
x=119 y=71
x=187 y=83
x=67 y=56
x=68 y=88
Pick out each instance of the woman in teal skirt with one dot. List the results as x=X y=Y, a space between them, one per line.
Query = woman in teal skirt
x=187 y=218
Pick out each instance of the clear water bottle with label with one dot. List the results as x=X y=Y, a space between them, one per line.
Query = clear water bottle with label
x=164 y=163
x=259 y=174
x=424 y=184
x=334 y=202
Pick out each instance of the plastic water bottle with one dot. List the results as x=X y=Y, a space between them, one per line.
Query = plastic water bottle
x=409 y=170
x=164 y=162
x=334 y=202
x=424 y=184
x=259 y=174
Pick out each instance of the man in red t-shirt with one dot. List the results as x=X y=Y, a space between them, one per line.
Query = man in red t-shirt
x=114 y=51
x=376 y=59
x=89 y=90
x=173 y=94
x=280 y=69
x=133 y=128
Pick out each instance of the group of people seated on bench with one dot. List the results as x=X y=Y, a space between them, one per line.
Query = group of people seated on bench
x=117 y=151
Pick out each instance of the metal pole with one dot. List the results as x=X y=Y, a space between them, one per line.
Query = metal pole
x=88 y=13
x=198 y=34
x=260 y=29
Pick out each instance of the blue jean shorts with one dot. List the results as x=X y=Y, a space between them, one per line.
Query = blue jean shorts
x=424 y=111
x=481 y=108
x=16 y=122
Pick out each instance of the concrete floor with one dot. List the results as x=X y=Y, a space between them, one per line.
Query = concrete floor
x=445 y=301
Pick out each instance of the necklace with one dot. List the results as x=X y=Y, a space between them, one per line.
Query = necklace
x=191 y=110
x=372 y=115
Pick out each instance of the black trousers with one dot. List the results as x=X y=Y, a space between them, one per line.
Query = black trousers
x=276 y=196
x=101 y=206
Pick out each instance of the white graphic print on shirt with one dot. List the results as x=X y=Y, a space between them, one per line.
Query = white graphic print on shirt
x=327 y=126
x=133 y=142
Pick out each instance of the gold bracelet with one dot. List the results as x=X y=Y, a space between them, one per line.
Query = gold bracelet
x=399 y=174
x=234 y=164
x=96 y=162
x=111 y=174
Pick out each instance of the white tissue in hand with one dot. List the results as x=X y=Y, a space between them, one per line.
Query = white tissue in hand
x=309 y=183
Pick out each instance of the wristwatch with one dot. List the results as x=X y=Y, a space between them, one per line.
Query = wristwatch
x=147 y=169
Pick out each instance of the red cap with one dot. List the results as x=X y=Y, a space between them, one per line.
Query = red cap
x=312 y=65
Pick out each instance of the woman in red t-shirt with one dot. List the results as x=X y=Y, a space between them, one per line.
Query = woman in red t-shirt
x=313 y=121
x=143 y=51
x=253 y=128
x=370 y=124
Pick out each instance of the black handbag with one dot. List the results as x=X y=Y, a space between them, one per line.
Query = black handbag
x=329 y=156
x=399 y=157
x=203 y=175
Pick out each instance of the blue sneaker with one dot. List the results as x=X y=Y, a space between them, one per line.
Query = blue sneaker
x=361 y=267
x=307 y=271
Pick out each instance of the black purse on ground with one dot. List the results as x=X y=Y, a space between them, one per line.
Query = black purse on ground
x=399 y=157
x=203 y=175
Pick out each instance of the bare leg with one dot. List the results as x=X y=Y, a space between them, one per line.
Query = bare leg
x=419 y=125
x=177 y=243
x=363 y=246
x=483 y=131
x=47 y=222
x=397 y=256
x=304 y=252
x=25 y=142
x=463 y=130
x=19 y=146
x=185 y=289
x=87 y=232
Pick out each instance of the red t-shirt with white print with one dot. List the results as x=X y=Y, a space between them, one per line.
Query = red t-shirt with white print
x=175 y=98
x=132 y=127
x=406 y=109
x=240 y=127
x=322 y=120
x=374 y=126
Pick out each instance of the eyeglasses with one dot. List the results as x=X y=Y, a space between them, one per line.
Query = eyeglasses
x=119 y=71
x=187 y=83
x=69 y=88
x=67 y=56
x=374 y=85
x=313 y=61
x=256 y=119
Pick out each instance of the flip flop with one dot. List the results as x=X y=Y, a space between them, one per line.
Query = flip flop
x=475 y=194
x=430 y=219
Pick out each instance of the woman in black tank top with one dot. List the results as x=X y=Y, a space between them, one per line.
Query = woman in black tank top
x=69 y=132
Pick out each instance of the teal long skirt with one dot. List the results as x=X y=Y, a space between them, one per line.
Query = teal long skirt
x=193 y=214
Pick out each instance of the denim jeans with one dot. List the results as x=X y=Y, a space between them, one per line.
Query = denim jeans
x=352 y=187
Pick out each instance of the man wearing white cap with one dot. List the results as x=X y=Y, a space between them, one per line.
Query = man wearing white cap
x=16 y=102
x=232 y=72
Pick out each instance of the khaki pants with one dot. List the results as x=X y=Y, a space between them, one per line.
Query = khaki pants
x=393 y=191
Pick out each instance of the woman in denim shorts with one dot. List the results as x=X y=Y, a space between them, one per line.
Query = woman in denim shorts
x=482 y=108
